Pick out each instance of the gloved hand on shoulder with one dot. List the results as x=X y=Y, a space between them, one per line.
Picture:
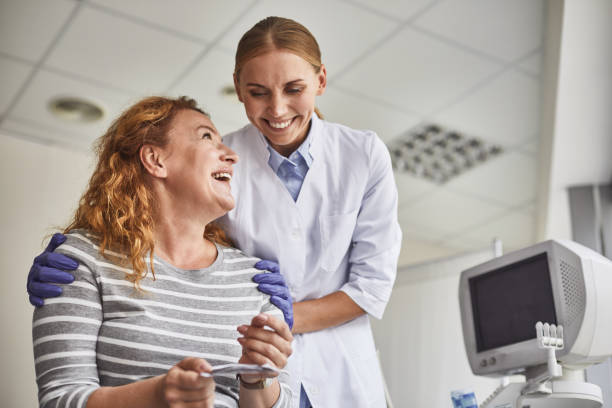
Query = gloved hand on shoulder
x=49 y=268
x=274 y=284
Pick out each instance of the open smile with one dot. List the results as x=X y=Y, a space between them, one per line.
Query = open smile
x=279 y=125
x=222 y=176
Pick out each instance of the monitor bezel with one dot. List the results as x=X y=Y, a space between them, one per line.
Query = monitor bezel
x=516 y=357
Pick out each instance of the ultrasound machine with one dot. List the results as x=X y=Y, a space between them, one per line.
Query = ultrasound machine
x=544 y=312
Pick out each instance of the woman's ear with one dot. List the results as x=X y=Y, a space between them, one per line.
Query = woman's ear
x=151 y=159
x=322 y=77
x=237 y=88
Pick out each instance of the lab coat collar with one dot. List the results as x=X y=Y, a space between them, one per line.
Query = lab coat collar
x=303 y=151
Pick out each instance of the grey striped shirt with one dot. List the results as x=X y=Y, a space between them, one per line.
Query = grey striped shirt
x=102 y=332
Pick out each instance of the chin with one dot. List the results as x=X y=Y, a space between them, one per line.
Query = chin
x=227 y=207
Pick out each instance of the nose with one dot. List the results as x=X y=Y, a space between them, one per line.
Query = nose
x=278 y=105
x=228 y=155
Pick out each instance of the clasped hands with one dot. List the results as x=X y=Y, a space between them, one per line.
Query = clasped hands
x=267 y=340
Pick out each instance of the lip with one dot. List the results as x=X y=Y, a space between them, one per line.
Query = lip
x=274 y=129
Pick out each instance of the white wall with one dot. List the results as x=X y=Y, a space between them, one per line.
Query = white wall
x=41 y=186
x=577 y=111
x=420 y=339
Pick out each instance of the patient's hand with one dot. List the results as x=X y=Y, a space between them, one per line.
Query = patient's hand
x=264 y=346
x=184 y=386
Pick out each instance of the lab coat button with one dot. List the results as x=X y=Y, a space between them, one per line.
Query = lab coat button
x=314 y=390
x=295 y=233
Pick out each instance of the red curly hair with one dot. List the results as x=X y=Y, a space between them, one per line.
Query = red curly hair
x=118 y=205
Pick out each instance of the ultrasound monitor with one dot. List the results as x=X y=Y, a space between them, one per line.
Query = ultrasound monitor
x=557 y=282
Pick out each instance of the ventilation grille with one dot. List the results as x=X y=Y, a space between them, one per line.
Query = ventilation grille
x=439 y=154
x=573 y=291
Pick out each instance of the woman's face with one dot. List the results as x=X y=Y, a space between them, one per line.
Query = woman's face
x=199 y=165
x=278 y=90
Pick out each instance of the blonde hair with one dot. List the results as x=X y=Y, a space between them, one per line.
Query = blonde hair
x=278 y=33
x=118 y=205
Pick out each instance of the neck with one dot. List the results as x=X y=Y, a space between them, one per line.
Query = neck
x=179 y=236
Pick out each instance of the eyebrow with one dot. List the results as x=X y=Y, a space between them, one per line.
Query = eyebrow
x=207 y=127
x=261 y=86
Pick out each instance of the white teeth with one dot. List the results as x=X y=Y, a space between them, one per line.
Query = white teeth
x=222 y=176
x=280 y=125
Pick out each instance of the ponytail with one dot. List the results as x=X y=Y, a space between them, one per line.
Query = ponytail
x=318 y=112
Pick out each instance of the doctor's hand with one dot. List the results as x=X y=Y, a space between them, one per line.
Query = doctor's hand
x=267 y=340
x=47 y=268
x=273 y=284
x=183 y=386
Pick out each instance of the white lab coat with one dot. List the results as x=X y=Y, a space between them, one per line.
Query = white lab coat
x=341 y=234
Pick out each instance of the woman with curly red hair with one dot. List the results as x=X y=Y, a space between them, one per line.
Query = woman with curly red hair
x=159 y=296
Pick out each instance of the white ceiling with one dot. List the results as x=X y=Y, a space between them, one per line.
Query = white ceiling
x=469 y=65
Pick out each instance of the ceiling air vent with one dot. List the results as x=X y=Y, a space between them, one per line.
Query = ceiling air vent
x=74 y=109
x=438 y=154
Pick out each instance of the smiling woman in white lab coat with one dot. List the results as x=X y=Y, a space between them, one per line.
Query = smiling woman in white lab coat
x=319 y=198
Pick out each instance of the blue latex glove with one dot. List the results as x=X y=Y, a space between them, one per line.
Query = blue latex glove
x=49 y=267
x=273 y=284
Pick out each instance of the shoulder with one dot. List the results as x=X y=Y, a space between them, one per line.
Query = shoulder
x=80 y=243
x=353 y=143
x=235 y=259
x=84 y=247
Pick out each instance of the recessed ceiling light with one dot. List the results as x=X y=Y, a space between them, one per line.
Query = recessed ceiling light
x=74 y=109
x=438 y=154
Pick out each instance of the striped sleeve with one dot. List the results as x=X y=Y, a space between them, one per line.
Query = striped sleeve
x=64 y=334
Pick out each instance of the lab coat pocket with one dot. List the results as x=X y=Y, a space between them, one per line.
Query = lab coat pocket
x=336 y=236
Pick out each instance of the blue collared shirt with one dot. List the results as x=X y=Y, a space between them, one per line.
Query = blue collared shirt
x=292 y=170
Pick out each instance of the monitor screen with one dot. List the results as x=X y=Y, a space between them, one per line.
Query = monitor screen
x=508 y=301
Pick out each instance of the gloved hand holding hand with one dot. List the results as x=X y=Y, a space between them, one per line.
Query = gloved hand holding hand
x=274 y=284
x=49 y=267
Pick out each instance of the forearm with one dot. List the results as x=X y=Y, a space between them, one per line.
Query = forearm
x=145 y=393
x=263 y=398
x=328 y=311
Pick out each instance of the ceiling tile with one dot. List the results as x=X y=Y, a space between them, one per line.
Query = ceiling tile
x=504 y=111
x=32 y=106
x=360 y=113
x=411 y=188
x=418 y=232
x=501 y=28
x=416 y=72
x=205 y=83
x=418 y=251
x=465 y=243
x=122 y=53
x=196 y=18
x=448 y=212
x=27 y=27
x=339 y=46
x=515 y=230
x=509 y=179
x=45 y=135
x=12 y=76
x=397 y=9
